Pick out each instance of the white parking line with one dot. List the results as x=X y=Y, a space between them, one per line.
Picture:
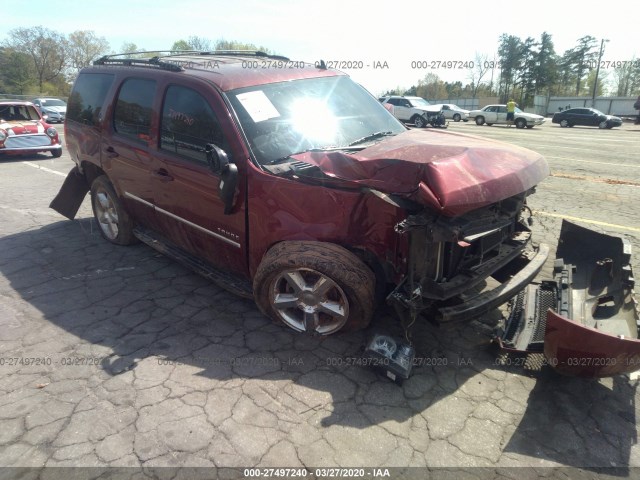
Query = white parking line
x=40 y=167
x=626 y=165
x=586 y=220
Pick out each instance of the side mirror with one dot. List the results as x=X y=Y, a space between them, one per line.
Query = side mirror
x=228 y=172
x=216 y=158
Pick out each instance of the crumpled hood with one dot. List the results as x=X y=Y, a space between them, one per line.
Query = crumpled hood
x=430 y=109
x=449 y=172
x=22 y=127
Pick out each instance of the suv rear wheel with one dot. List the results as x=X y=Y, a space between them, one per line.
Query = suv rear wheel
x=114 y=222
x=315 y=287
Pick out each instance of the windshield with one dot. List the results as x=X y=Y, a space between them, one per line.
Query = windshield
x=18 y=113
x=53 y=102
x=419 y=102
x=593 y=110
x=281 y=119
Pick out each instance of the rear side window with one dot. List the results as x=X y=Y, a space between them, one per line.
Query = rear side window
x=87 y=98
x=188 y=124
x=132 y=117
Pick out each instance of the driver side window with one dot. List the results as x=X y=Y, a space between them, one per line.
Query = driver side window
x=188 y=124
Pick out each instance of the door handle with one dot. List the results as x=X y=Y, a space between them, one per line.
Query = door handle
x=162 y=175
x=111 y=153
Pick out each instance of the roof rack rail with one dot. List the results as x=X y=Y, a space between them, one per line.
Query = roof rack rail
x=171 y=65
x=144 y=62
x=246 y=53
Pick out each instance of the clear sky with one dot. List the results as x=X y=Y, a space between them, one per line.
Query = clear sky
x=347 y=30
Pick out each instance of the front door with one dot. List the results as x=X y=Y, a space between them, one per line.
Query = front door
x=501 y=114
x=186 y=195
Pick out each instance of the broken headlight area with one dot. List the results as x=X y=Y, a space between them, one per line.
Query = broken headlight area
x=585 y=320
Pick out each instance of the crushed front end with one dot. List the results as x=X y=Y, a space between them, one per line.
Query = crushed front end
x=450 y=260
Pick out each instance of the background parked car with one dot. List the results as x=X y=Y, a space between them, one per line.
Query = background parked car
x=414 y=110
x=54 y=109
x=23 y=130
x=589 y=117
x=453 y=112
x=498 y=114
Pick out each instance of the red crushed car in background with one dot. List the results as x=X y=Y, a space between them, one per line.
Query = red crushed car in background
x=23 y=130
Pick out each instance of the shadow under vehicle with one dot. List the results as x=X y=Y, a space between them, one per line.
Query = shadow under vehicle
x=136 y=309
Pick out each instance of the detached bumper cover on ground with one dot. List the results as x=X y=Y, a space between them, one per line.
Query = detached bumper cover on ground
x=586 y=319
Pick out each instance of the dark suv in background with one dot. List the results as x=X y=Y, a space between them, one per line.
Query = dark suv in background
x=289 y=183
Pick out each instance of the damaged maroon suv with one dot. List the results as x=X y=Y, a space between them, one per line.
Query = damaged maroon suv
x=289 y=183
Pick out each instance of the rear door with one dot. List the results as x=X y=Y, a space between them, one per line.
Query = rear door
x=584 y=116
x=125 y=152
x=187 y=200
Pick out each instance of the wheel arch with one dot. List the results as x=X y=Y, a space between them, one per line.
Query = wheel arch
x=366 y=256
x=343 y=266
x=91 y=171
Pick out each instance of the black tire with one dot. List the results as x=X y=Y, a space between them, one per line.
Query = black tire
x=114 y=222
x=603 y=124
x=521 y=123
x=419 y=121
x=479 y=120
x=456 y=117
x=564 y=123
x=353 y=287
x=56 y=153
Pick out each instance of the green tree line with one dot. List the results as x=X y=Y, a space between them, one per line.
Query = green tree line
x=521 y=69
x=37 y=60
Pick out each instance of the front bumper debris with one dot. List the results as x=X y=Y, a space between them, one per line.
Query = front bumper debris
x=585 y=320
x=488 y=300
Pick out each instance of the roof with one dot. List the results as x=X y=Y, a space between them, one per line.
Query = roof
x=227 y=69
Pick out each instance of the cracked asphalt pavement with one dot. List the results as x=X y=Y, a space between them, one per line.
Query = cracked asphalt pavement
x=119 y=357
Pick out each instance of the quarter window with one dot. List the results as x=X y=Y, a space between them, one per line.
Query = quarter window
x=87 y=98
x=188 y=124
x=133 y=109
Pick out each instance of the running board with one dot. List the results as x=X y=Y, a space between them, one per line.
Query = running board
x=230 y=282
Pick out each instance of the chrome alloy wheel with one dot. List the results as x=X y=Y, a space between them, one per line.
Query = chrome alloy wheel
x=308 y=301
x=106 y=214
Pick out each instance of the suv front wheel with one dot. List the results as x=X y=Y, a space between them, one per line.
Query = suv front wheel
x=114 y=222
x=315 y=287
x=419 y=121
